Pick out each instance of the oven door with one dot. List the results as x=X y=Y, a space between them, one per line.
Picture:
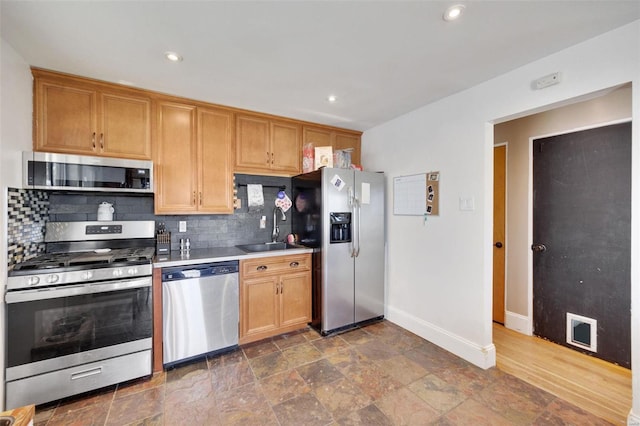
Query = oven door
x=54 y=328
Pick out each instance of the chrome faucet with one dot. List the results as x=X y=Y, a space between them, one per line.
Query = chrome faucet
x=276 y=230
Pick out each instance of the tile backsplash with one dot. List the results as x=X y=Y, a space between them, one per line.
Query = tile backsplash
x=30 y=210
x=27 y=214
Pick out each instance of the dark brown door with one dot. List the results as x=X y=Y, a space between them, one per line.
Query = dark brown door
x=582 y=236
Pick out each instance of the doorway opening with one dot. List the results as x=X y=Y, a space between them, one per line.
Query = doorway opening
x=593 y=110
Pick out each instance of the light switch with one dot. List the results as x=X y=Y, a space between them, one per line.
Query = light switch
x=182 y=226
x=467 y=203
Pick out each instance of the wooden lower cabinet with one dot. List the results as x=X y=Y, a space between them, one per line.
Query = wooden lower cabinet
x=275 y=296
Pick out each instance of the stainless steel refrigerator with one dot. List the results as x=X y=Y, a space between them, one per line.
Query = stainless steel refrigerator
x=340 y=213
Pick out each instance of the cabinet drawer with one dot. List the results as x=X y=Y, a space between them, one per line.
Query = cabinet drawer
x=275 y=265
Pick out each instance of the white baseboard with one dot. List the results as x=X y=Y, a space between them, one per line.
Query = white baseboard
x=519 y=323
x=633 y=419
x=481 y=356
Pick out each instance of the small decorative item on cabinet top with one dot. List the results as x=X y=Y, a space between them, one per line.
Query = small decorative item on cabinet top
x=323 y=157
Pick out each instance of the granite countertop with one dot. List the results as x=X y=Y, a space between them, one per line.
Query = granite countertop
x=23 y=415
x=218 y=254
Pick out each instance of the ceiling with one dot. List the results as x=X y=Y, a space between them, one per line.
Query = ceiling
x=380 y=59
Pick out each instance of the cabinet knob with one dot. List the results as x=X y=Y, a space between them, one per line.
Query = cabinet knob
x=93 y=140
x=261 y=268
x=294 y=264
x=101 y=141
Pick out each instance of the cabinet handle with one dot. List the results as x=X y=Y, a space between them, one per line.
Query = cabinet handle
x=281 y=287
x=93 y=140
x=194 y=197
x=261 y=268
x=101 y=141
x=272 y=158
x=267 y=157
x=294 y=264
x=200 y=197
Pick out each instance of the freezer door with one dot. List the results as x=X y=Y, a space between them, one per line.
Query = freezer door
x=338 y=264
x=369 y=234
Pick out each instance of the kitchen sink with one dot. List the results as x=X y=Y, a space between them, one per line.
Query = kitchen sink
x=7 y=420
x=253 y=248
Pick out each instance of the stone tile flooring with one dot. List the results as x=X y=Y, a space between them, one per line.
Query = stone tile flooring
x=380 y=374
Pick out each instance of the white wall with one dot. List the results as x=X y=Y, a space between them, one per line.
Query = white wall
x=439 y=273
x=15 y=136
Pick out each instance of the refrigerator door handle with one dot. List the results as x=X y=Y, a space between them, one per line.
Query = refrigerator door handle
x=356 y=238
x=352 y=204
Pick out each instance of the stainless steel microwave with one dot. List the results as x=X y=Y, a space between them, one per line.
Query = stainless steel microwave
x=43 y=170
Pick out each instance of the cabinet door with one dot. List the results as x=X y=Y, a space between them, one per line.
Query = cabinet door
x=65 y=119
x=176 y=159
x=125 y=129
x=346 y=140
x=286 y=147
x=317 y=136
x=215 y=145
x=295 y=299
x=259 y=310
x=252 y=144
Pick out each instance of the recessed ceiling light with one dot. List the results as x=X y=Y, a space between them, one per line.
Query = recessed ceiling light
x=332 y=98
x=173 y=56
x=453 y=12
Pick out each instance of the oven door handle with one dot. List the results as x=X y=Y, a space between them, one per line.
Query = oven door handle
x=75 y=290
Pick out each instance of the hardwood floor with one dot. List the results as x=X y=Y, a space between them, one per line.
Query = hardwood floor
x=599 y=387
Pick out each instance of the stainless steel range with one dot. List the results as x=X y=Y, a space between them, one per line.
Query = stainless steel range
x=79 y=317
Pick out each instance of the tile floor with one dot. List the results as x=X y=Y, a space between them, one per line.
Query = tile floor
x=380 y=374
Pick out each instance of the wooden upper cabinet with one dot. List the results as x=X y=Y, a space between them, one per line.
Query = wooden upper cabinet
x=286 y=147
x=317 y=136
x=125 y=126
x=193 y=159
x=65 y=118
x=176 y=174
x=335 y=138
x=267 y=146
x=74 y=116
x=215 y=144
x=253 y=151
x=348 y=140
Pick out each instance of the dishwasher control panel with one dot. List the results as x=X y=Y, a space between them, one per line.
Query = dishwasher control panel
x=200 y=270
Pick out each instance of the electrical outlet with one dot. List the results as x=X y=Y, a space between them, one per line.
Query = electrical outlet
x=182 y=226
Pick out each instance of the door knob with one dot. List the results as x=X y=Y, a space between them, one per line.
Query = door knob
x=498 y=244
x=538 y=247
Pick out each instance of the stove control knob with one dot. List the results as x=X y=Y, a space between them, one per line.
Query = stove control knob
x=117 y=272
x=132 y=271
x=87 y=275
x=33 y=280
x=52 y=279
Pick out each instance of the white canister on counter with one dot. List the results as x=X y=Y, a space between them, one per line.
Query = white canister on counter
x=105 y=211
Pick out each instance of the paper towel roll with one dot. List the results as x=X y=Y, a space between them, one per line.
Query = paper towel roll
x=255 y=197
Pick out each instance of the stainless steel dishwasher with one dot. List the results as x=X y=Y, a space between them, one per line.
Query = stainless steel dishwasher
x=200 y=310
